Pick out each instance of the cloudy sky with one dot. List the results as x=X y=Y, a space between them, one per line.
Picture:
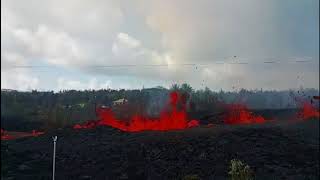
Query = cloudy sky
x=221 y=44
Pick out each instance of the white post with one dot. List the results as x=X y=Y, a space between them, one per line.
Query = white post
x=54 y=155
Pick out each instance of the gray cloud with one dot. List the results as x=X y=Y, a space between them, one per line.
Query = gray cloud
x=77 y=34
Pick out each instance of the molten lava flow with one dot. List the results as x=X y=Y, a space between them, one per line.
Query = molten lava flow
x=171 y=119
x=36 y=133
x=316 y=97
x=10 y=135
x=87 y=125
x=308 y=111
x=209 y=125
x=5 y=135
x=239 y=114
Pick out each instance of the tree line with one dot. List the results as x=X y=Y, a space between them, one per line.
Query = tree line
x=29 y=110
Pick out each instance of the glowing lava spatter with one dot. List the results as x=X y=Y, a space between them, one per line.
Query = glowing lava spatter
x=193 y=123
x=171 y=118
x=239 y=114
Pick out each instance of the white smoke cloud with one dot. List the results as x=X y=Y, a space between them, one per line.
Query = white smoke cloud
x=20 y=80
x=70 y=84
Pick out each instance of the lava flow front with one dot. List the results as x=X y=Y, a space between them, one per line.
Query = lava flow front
x=308 y=111
x=239 y=114
x=172 y=118
x=10 y=135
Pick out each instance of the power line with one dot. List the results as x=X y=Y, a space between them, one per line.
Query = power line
x=158 y=65
x=106 y=66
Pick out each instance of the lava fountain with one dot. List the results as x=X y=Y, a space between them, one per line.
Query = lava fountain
x=171 y=118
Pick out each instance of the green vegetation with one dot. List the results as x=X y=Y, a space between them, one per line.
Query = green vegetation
x=31 y=110
x=240 y=170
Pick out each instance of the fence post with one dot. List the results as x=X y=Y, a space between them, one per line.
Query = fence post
x=54 y=156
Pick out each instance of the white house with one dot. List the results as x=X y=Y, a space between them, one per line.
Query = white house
x=120 y=102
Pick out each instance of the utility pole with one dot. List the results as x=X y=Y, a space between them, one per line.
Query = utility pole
x=54 y=156
x=95 y=106
x=70 y=113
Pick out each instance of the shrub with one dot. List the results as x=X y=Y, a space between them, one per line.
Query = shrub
x=240 y=170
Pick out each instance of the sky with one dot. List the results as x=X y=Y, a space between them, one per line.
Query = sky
x=220 y=44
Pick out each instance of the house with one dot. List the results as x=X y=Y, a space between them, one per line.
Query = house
x=120 y=102
x=8 y=90
x=104 y=106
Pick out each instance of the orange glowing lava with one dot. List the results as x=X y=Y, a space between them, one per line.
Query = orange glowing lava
x=307 y=111
x=239 y=114
x=10 y=135
x=172 y=118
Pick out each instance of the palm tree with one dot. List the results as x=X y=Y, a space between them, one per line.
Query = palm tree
x=186 y=88
x=175 y=87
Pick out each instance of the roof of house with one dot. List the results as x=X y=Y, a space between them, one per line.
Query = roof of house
x=8 y=90
x=120 y=100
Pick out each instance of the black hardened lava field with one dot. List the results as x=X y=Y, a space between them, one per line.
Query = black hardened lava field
x=273 y=150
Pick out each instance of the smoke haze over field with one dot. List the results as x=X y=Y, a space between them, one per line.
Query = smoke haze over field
x=73 y=39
